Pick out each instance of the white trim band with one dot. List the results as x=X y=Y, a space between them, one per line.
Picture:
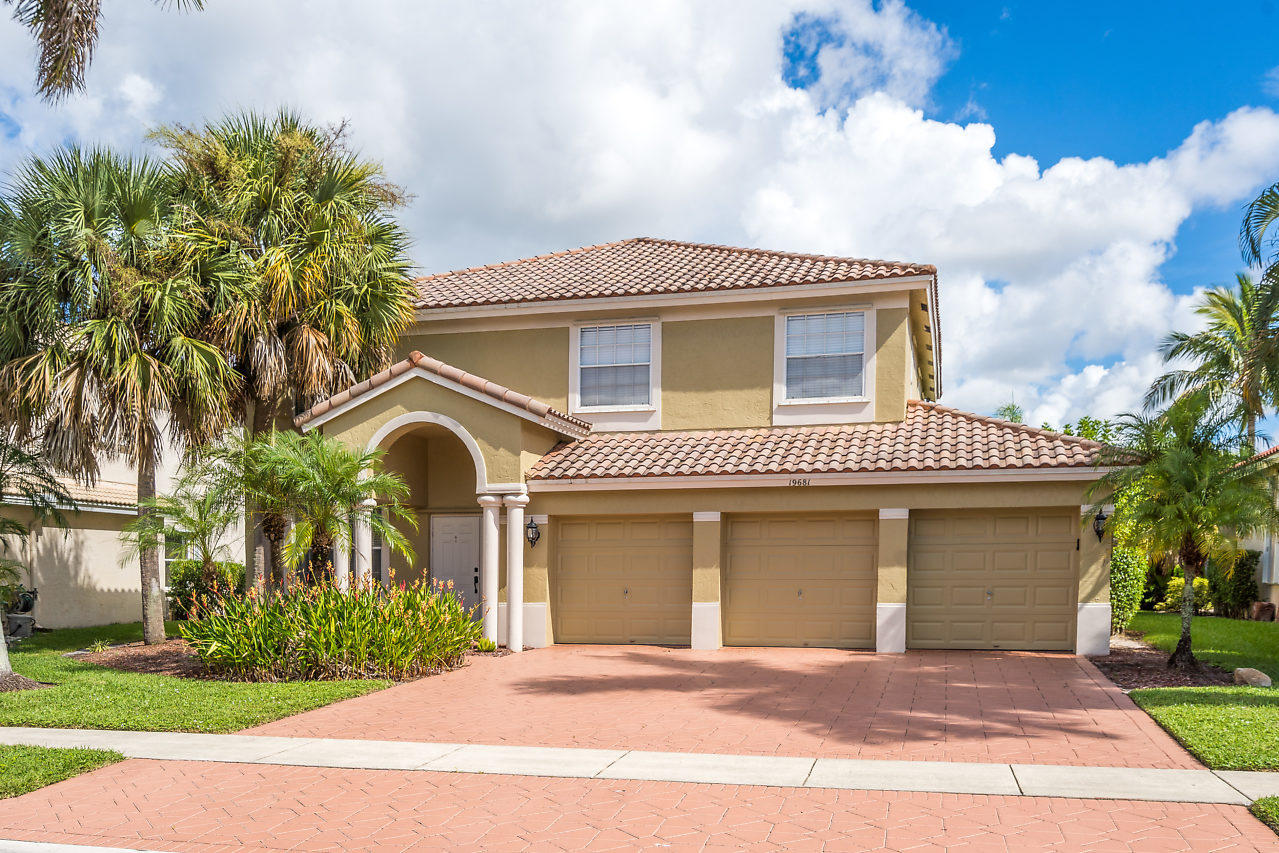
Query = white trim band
x=707 y=516
x=894 y=513
x=859 y=478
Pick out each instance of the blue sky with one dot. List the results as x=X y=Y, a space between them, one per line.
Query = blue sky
x=1075 y=171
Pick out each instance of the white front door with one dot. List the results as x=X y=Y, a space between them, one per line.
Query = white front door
x=455 y=554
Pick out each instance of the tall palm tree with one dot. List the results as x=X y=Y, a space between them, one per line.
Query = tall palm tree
x=1235 y=358
x=322 y=292
x=66 y=32
x=331 y=487
x=101 y=326
x=26 y=481
x=1189 y=493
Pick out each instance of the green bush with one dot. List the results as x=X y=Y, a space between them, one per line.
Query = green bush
x=1127 y=582
x=1233 y=588
x=321 y=632
x=1177 y=585
x=1156 y=587
x=188 y=583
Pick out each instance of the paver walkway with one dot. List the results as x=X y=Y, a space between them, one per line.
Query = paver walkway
x=1010 y=707
x=190 y=806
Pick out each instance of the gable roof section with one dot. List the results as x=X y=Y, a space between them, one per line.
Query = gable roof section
x=450 y=377
x=642 y=266
x=932 y=438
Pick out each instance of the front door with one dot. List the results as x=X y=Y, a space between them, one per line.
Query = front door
x=455 y=554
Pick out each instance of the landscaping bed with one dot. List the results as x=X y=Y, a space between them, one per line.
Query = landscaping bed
x=172 y=657
x=1132 y=665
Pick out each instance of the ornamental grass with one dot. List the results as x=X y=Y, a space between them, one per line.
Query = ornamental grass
x=320 y=632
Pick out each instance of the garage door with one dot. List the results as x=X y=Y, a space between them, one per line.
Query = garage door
x=992 y=579
x=800 y=581
x=624 y=580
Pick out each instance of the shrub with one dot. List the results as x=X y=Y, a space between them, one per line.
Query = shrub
x=1176 y=585
x=189 y=583
x=484 y=644
x=1127 y=582
x=1156 y=587
x=321 y=632
x=1233 y=588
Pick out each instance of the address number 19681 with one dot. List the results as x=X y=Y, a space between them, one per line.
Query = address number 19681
x=801 y=481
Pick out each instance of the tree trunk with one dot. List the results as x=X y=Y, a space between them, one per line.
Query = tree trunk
x=1252 y=433
x=6 y=668
x=273 y=531
x=149 y=561
x=255 y=540
x=1183 y=657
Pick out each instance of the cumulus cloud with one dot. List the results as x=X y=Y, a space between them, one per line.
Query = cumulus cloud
x=525 y=128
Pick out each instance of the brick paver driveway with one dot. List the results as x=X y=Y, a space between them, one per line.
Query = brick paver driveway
x=181 y=806
x=1011 y=707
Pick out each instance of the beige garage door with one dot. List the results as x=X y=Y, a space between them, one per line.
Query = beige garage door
x=992 y=579
x=624 y=580
x=800 y=581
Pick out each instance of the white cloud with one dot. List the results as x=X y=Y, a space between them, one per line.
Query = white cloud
x=525 y=128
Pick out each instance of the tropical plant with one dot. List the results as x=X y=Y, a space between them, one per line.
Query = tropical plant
x=1095 y=429
x=323 y=632
x=1233 y=586
x=66 y=33
x=1235 y=359
x=321 y=291
x=1189 y=496
x=26 y=481
x=1010 y=411
x=200 y=516
x=102 y=328
x=330 y=488
x=1258 y=245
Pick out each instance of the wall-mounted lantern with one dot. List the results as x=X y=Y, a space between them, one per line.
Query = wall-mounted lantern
x=1099 y=524
x=532 y=533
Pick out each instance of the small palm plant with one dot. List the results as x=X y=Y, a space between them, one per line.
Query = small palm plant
x=1189 y=492
x=201 y=517
x=330 y=487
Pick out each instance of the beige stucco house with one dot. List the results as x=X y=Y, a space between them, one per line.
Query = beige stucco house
x=720 y=446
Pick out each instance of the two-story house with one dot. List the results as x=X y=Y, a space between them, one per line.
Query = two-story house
x=653 y=441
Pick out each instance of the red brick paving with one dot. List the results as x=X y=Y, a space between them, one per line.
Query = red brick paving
x=1015 y=707
x=180 y=806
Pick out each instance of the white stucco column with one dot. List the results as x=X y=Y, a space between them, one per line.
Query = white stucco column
x=489 y=538
x=363 y=544
x=342 y=564
x=515 y=571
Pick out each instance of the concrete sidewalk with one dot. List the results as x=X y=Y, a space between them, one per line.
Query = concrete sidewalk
x=1023 y=780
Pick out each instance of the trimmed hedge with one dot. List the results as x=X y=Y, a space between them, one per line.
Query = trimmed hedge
x=1234 y=588
x=1127 y=583
x=1176 y=586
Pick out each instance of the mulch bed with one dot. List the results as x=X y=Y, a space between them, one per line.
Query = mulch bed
x=1132 y=664
x=11 y=682
x=172 y=657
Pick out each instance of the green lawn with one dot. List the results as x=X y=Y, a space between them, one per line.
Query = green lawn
x=1267 y=810
x=1228 y=643
x=25 y=768
x=93 y=697
x=1227 y=728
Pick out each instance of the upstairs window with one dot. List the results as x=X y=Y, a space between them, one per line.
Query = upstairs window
x=615 y=364
x=825 y=356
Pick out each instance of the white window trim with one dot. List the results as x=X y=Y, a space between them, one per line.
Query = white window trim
x=617 y=418
x=824 y=410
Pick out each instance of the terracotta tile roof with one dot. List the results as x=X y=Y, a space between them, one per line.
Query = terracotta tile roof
x=568 y=424
x=644 y=265
x=931 y=438
x=101 y=493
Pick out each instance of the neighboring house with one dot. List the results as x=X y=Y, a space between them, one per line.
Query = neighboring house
x=722 y=446
x=1268 y=565
x=81 y=571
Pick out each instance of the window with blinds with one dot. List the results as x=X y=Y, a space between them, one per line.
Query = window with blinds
x=825 y=355
x=615 y=363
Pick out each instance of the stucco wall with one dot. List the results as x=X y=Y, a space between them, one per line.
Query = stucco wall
x=530 y=361
x=717 y=373
x=82 y=573
x=893 y=363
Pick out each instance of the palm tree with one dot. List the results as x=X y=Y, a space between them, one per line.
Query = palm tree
x=101 y=343
x=1258 y=246
x=331 y=487
x=1189 y=494
x=1235 y=358
x=321 y=290
x=200 y=516
x=26 y=480
x=66 y=31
